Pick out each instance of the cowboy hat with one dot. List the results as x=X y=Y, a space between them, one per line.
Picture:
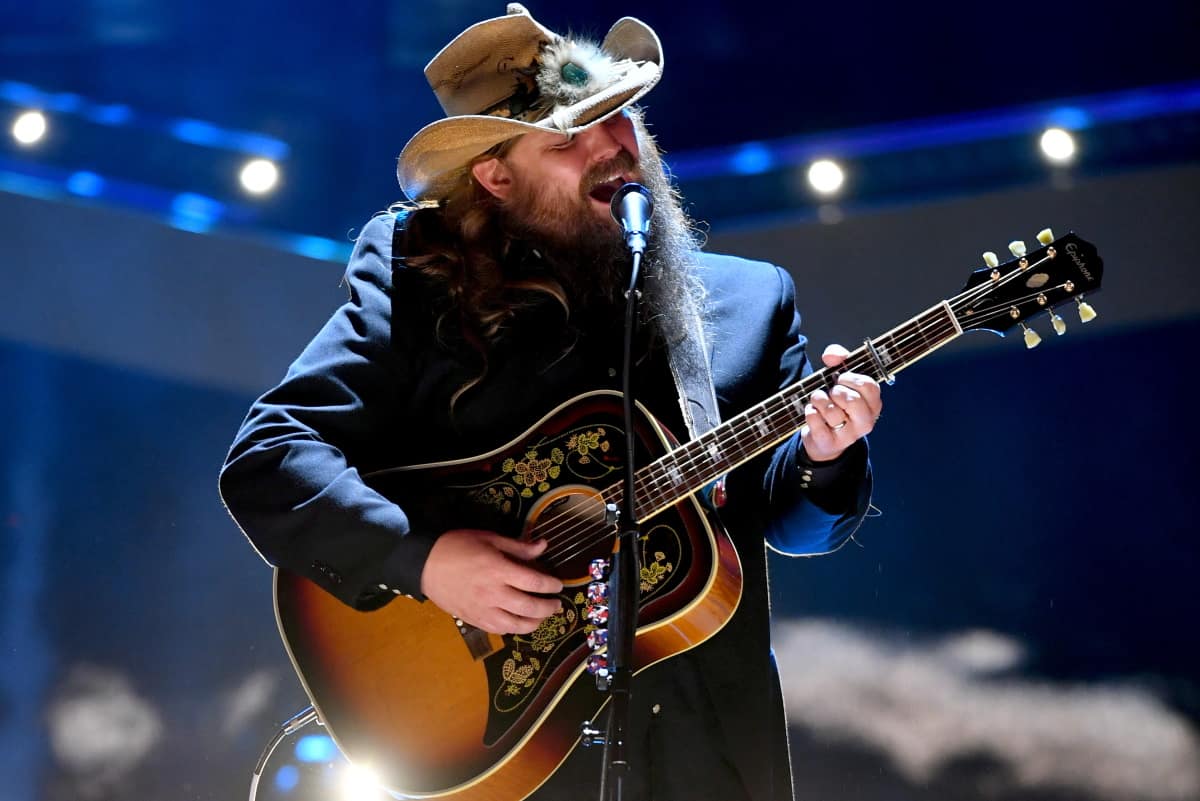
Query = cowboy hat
x=507 y=76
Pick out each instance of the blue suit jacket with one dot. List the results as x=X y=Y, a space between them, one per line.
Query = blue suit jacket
x=372 y=390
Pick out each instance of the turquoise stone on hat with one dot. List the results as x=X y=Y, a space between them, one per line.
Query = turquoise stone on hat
x=574 y=74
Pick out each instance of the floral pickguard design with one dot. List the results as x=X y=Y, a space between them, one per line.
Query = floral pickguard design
x=571 y=455
x=532 y=653
x=656 y=566
x=578 y=455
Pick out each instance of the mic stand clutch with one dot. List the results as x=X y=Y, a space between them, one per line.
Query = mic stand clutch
x=289 y=727
x=631 y=207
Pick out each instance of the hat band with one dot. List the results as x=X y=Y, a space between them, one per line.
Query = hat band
x=529 y=104
x=524 y=103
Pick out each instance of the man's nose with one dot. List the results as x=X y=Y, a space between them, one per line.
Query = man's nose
x=600 y=143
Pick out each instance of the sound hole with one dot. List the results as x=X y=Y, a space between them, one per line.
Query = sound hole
x=574 y=522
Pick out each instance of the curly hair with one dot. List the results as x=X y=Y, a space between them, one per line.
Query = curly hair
x=464 y=240
x=461 y=242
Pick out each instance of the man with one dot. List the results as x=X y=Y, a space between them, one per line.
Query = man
x=493 y=300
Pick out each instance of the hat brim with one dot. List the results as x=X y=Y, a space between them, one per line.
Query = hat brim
x=431 y=163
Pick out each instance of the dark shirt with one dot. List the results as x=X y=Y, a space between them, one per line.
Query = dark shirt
x=373 y=390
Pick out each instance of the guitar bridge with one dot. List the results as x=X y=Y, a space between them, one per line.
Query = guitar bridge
x=480 y=643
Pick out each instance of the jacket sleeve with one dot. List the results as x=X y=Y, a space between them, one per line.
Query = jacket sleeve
x=291 y=479
x=813 y=508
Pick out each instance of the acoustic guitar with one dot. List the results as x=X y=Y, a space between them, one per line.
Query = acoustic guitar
x=439 y=709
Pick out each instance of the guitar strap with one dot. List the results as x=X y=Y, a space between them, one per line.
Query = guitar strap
x=691 y=367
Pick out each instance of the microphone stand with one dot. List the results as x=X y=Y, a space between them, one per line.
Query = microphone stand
x=631 y=207
x=623 y=582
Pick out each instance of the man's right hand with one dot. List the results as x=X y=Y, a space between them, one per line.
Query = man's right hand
x=478 y=577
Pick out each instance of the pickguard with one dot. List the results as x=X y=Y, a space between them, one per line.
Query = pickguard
x=550 y=484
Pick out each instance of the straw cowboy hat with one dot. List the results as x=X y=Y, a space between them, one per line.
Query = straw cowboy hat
x=507 y=76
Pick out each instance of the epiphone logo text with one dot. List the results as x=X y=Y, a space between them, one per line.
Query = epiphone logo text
x=1073 y=252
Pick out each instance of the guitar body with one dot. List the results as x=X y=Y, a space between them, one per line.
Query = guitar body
x=440 y=709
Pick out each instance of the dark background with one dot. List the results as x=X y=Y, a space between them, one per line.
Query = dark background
x=1020 y=621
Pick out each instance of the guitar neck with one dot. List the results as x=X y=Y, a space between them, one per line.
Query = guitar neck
x=690 y=467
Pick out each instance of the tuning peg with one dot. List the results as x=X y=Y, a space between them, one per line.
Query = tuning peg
x=1086 y=312
x=1045 y=236
x=1032 y=338
x=989 y=258
x=1060 y=325
x=1017 y=248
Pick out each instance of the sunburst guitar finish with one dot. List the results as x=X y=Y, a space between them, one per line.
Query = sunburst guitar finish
x=443 y=710
x=437 y=708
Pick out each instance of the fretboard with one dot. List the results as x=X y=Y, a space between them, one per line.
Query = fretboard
x=690 y=467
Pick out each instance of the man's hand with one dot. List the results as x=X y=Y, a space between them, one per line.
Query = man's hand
x=835 y=420
x=478 y=577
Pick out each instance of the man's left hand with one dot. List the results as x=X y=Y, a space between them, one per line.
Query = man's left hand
x=835 y=420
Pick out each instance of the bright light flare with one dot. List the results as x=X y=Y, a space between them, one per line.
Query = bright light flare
x=1058 y=145
x=29 y=128
x=826 y=176
x=259 y=176
x=360 y=784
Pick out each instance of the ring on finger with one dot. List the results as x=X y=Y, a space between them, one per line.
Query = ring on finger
x=839 y=426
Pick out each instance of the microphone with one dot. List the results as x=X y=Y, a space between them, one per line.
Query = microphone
x=631 y=207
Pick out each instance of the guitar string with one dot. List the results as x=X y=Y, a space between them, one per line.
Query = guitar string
x=565 y=550
x=567 y=535
x=569 y=539
x=688 y=457
x=579 y=538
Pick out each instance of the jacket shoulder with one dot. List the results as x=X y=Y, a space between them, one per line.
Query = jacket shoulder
x=724 y=274
x=381 y=234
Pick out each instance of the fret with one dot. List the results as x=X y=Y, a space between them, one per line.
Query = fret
x=693 y=465
x=789 y=413
x=761 y=425
x=675 y=476
x=879 y=365
x=660 y=479
x=920 y=330
x=910 y=341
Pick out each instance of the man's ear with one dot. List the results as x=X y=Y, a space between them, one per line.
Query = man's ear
x=494 y=176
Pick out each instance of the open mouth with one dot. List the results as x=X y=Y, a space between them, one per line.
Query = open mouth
x=604 y=192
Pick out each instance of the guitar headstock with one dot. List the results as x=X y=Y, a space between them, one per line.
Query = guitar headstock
x=999 y=296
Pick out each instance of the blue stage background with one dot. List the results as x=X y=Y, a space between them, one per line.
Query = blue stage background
x=1041 y=497
x=1018 y=623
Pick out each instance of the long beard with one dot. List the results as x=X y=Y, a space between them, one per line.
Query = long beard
x=587 y=254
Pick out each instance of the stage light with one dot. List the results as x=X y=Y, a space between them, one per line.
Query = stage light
x=315 y=247
x=315 y=748
x=752 y=158
x=259 y=176
x=195 y=213
x=111 y=114
x=29 y=128
x=360 y=784
x=286 y=778
x=85 y=184
x=1058 y=145
x=825 y=176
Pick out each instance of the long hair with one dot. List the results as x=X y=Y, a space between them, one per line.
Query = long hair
x=463 y=242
